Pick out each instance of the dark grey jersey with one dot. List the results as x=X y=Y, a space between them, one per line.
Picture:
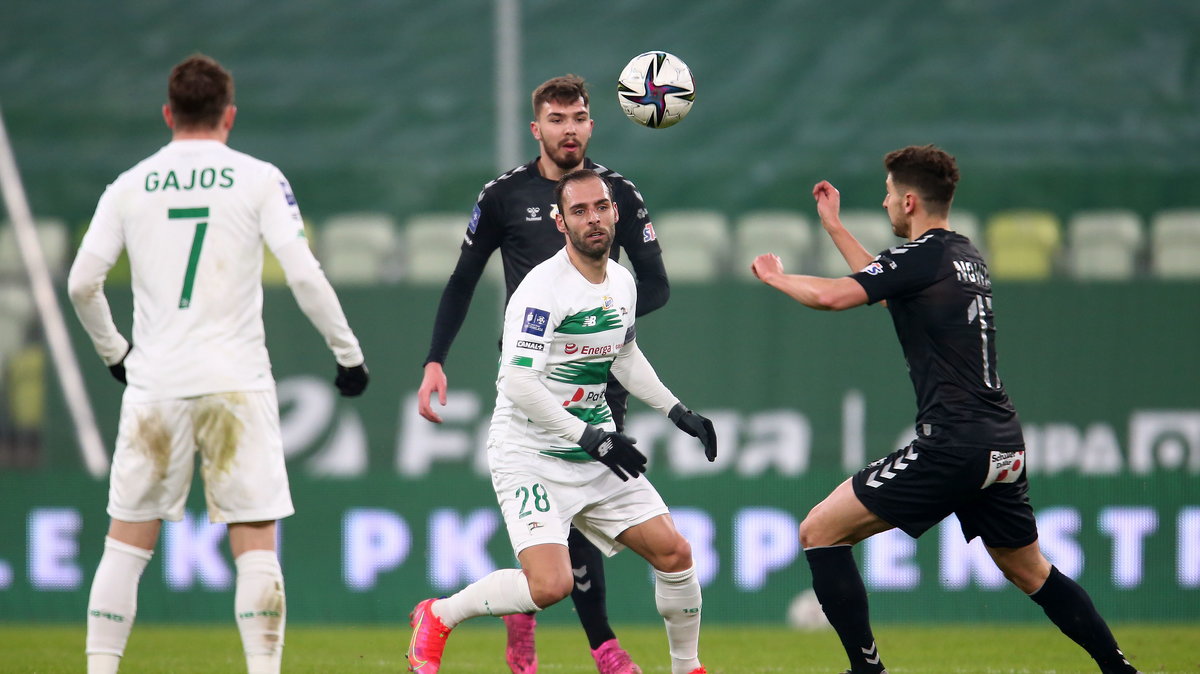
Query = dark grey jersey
x=940 y=298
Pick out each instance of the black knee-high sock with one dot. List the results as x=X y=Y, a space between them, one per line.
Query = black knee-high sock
x=839 y=588
x=587 y=565
x=1069 y=606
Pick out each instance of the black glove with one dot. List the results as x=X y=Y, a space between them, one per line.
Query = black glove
x=696 y=426
x=117 y=369
x=614 y=450
x=351 y=381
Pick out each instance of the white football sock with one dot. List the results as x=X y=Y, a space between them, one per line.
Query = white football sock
x=502 y=592
x=112 y=603
x=261 y=610
x=677 y=596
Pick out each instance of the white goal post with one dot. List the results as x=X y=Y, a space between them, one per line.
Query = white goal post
x=91 y=446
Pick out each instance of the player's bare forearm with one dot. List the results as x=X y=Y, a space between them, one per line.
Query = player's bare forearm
x=826 y=294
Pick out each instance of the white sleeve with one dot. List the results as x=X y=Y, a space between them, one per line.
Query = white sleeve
x=637 y=375
x=318 y=301
x=85 y=286
x=524 y=387
x=104 y=237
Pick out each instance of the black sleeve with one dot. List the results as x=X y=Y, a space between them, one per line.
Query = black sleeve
x=900 y=271
x=653 y=288
x=635 y=234
x=456 y=299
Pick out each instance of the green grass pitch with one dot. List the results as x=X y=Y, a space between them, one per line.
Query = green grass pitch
x=479 y=648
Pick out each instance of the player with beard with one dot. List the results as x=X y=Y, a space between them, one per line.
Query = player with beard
x=515 y=214
x=555 y=464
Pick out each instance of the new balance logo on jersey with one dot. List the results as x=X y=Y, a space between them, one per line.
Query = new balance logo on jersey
x=888 y=471
x=533 y=213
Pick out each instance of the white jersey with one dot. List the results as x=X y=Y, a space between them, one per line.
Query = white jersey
x=194 y=217
x=570 y=331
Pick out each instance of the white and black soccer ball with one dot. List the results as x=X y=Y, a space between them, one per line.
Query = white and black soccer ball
x=656 y=89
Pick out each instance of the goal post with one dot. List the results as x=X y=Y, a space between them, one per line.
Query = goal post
x=70 y=378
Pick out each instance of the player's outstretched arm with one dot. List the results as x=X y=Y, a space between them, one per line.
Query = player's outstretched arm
x=635 y=372
x=829 y=206
x=827 y=294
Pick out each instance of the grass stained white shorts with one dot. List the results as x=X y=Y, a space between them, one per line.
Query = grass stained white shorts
x=241 y=458
x=541 y=496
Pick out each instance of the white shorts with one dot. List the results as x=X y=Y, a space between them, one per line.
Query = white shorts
x=541 y=496
x=241 y=458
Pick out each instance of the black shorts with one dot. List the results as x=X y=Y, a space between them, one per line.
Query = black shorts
x=916 y=487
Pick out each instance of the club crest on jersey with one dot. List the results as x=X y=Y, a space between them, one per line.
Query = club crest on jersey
x=532 y=212
x=535 y=321
x=648 y=233
x=874 y=269
x=608 y=302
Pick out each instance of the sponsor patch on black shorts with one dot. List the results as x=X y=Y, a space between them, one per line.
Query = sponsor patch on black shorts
x=916 y=487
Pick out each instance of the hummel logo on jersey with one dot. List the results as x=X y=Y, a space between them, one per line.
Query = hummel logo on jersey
x=888 y=472
x=533 y=213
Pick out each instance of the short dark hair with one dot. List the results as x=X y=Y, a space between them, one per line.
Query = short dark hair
x=198 y=92
x=929 y=170
x=564 y=89
x=578 y=175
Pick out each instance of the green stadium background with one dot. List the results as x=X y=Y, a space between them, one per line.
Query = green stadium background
x=388 y=106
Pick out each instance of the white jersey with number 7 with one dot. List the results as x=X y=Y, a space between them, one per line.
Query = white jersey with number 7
x=194 y=217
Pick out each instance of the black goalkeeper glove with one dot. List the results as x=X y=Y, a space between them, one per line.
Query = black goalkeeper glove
x=117 y=369
x=351 y=381
x=614 y=450
x=696 y=426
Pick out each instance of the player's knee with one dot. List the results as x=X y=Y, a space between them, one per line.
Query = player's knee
x=550 y=589
x=677 y=557
x=810 y=532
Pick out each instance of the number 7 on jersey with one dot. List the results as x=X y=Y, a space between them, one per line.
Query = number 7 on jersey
x=189 y=277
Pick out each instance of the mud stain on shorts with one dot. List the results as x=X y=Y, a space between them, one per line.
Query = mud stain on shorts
x=152 y=437
x=218 y=431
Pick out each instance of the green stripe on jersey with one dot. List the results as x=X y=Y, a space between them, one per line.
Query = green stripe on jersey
x=521 y=361
x=577 y=454
x=592 y=415
x=178 y=213
x=582 y=374
x=588 y=322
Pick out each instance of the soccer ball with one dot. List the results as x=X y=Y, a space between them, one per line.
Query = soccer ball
x=804 y=613
x=656 y=89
